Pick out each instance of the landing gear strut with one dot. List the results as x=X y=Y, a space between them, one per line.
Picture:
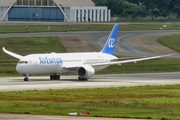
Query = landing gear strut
x=82 y=79
x=55 y=77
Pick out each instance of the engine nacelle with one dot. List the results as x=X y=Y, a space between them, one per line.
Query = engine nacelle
x=85 y=71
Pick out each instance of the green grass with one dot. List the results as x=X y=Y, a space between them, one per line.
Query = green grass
x=97 y=27
x=8 y=69
x=172 y=42
x=149 y=102
x=30 y=45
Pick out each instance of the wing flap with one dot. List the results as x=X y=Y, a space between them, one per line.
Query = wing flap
x=12 y=54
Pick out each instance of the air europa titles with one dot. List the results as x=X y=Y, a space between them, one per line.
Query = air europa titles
x=47 y=60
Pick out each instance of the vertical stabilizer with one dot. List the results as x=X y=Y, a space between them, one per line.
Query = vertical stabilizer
x=110 y=43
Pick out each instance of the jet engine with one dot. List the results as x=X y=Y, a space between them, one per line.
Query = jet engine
x=85 y=72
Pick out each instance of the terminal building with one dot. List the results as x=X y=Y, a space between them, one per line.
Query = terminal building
x=53 y=11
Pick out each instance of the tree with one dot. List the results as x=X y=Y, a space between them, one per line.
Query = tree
x=129 y=9
x=156 y=13
x=113 y=5
x=132 y=8
x=141 y=13
x=177 y=11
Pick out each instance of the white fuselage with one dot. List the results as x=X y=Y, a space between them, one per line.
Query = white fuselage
x=54 y=63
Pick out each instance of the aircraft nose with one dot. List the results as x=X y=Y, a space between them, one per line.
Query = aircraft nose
x=18 y=68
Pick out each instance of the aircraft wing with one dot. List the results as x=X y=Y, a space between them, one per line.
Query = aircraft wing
x=12 y=54
x=128 y=61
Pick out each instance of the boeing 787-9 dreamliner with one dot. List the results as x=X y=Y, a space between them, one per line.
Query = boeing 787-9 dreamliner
x=84 y=64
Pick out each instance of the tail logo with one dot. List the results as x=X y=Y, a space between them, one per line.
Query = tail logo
x=111 y=42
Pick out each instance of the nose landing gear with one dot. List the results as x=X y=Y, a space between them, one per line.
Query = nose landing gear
x=55 y=77
x=26 y=77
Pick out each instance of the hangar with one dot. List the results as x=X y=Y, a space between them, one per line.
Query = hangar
x=53 y=10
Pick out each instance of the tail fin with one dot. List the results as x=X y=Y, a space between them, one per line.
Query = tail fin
x=110 y=43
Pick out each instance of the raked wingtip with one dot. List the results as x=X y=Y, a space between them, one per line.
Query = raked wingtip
x=169 y=55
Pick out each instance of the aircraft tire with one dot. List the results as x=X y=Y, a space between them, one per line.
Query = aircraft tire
x=51 y=77
x=58 y=77
x=82 y=79
x=26 y=79
x=54 y=77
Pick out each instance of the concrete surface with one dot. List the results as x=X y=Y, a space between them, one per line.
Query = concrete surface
x=51 y=117
x=97 y=81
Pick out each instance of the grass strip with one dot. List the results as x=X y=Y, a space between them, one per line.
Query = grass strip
x=147 y=102
x=29 y=45
x=172 y=41
x=87 y=27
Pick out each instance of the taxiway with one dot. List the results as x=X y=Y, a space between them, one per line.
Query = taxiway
x=97 y=81
x=128 y=43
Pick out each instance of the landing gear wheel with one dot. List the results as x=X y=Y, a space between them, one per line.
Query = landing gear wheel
x=26 y=79
x=58 y=77
x=82 y=79
x=54 y=77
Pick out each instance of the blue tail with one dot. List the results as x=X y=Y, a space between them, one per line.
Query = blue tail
x=110 y=43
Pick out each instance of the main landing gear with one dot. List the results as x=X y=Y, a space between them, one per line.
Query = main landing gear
x=82 y=79
x=55 y=77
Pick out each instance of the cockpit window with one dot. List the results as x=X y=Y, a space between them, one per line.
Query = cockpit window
x=23 y=62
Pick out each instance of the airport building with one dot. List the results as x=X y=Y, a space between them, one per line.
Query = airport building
x=53 y=11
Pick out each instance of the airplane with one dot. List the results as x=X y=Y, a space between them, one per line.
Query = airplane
x=84 y=64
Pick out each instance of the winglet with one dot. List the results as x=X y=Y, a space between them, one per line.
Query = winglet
x=168 y=55
x=110 y=43
x=12 y=54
